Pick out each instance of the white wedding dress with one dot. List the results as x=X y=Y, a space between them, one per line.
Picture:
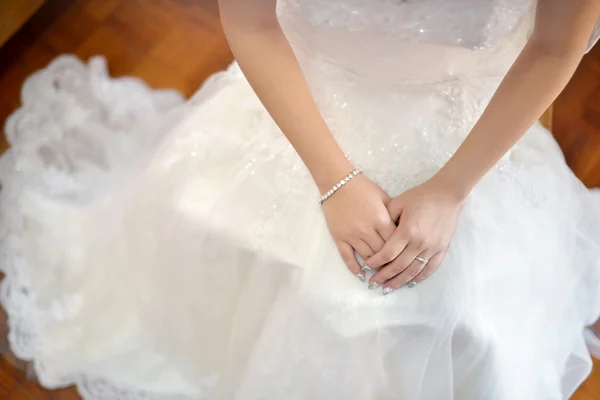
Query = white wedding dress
x=161 y=249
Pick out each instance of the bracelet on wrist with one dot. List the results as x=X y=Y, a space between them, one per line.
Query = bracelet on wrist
x=339 y=185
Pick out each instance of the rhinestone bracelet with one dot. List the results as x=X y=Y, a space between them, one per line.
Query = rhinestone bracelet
x=339 y=185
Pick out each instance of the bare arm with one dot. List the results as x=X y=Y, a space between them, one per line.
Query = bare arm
x=267 y=60
x=427 y=213
x=356 y=215
x=542 y=70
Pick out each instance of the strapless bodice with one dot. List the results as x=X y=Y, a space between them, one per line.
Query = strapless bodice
x=410 y=40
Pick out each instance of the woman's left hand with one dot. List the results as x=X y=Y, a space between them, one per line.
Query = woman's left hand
x=426 y=217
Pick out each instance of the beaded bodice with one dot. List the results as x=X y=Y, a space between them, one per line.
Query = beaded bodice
x=466 y=23
x=414 y=39
x=410 y=39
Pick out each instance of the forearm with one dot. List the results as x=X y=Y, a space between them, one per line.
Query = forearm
x=529 y=88
x=268 y=62
x=542 y=70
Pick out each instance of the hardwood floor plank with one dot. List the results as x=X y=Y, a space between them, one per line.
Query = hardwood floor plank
x=182 y=54
x=149 y=27
x=576 y=124
x=161 y=76
x=70 y=30
x=14 y=14
x=100 y=9
x=122 y=56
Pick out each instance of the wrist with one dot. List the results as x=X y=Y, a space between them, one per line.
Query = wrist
x=341 y=183
x=454 y=186
x=328 y=173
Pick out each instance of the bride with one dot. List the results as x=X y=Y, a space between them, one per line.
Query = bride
x=362 y=207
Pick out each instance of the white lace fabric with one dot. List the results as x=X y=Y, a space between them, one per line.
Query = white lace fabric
x=159 y=250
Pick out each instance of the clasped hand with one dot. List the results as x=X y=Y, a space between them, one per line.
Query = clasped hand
x=403 y=240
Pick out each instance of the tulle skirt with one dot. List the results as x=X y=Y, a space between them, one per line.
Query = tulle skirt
x=161 y=249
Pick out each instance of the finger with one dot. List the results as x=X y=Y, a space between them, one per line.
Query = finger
x=347 y=253
x=374 y=241
x=395 y=210
x=386 y=199
x=362 y=248
x=386 y=229
x=430 y=268
x=409 y=275
x=390 y=250
x=396 y=267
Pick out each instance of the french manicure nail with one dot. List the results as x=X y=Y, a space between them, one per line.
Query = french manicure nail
x=366 y=268
x=361 y=277
x=373 y=285
x=387 y=291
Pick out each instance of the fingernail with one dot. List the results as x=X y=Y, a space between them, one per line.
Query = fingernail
x=387 y=291
x=366 y=268
x=361 y=277
x=412 y=285
x=373 y=285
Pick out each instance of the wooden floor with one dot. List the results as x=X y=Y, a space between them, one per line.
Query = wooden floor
x=177 y=44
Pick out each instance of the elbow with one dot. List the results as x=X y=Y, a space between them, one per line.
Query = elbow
x=561 y=59
x=565 y=48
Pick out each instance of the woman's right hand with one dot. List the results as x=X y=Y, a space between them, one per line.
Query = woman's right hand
x=356 y=214
x=358 y=219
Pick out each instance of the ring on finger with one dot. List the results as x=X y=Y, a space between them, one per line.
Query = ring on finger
x=412 y=284
x=423 y=260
